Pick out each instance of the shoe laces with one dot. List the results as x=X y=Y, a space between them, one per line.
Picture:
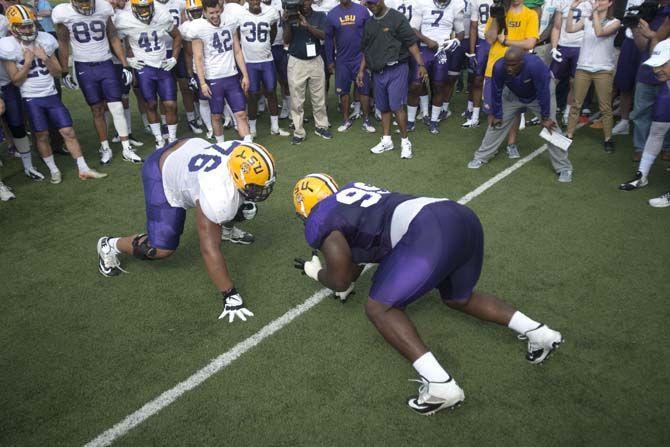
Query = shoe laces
x=112 y=261
x=423 y=389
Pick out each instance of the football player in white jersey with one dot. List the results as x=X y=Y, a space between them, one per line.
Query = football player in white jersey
x=258 y=28
x=478 y=55
x=13 y=115
x=434 y=22
x=280 y=58
x=29 y=59
x=218 y=55
x=145 y=28
x=221 y=182
x=88 y=27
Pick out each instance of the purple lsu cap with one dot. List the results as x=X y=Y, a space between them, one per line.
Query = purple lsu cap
x=373 y=2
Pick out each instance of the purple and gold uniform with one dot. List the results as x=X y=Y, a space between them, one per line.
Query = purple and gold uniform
x=344 y=32
x=420 y=243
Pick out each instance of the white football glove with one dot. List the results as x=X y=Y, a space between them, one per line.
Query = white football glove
x=126 y=76
x=310 y=268
x=249 y=210
x=168 y=64
x=449 y=45
x=70 y=82
x=233 y=306
x=344 y=295
x=556 y=55
x=136 y=63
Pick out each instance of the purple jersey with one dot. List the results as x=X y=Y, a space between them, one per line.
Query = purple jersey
x=532 y=83
x=362 y=213
x=345 y=25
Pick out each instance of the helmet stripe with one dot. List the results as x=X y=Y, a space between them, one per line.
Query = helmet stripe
x=327 y=180
x=267 y=159
x=24 y=13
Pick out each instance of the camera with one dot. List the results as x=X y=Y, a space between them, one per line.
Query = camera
x=498 y=12
x=646 y=11
x=292 y=9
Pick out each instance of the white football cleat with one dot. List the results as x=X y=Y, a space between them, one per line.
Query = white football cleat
x=105 y=155
x=542 y=341
x=6 y=193
x=434 y=396
x=382 y=147
x=131 y=156
x=406 y=150
x=469 y=124
x=91 y=174
x=108 y=261
x=33 y=174
x=236 y=235
x=56 y=177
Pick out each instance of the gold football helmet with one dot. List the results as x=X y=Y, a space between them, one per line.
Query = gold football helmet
x=193 y=9
x=143 y=10
x=253 y=170
x=21 y=23
x=310 y=190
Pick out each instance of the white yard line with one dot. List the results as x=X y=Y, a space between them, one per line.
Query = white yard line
x=133 y=420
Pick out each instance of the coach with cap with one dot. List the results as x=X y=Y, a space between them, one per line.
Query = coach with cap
x=522 y=81
x=388 y=40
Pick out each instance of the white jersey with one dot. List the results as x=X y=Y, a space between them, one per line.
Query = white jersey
x=480 y=11
x=279 y=38
x=4 y=31
x=88 y=34
x=173 y=8
x=146 y=41
x=404 y=7
x=39 y=82
x=233 y=9
x=438 y=23
x=217 y=42
x=567 y=39
x=198 y=173
x=255 y=33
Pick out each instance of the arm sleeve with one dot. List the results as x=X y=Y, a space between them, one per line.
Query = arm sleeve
x=56 y=15
x=497 y=87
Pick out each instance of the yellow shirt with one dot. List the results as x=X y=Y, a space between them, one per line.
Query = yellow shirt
x=520 y=26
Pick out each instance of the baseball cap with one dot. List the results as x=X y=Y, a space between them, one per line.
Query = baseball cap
x=374 y=2
x=660 y=55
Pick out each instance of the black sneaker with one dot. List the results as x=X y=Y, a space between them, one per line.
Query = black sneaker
x=323 y=133
x=640 y=181
x=608 y=146
x=297 y=140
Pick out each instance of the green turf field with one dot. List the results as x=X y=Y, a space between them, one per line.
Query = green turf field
x=80 y=351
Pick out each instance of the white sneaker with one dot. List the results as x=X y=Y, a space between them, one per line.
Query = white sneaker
x=382 y=147
x=406 y=150
x=621 y=128
x=471 y=123
x=513 y=151
x=6 y=193
x=661 y=201
x=367 y=127
x=542 y=341
x=33 y=174
x=434 y=397
x=108 y=261
x=131 y=156
x=279 y=131
x=105 y=155
x=134 y=142
x=236 y=235
x=56 y=177
x=475 y=163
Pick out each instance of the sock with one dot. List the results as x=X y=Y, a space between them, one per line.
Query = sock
x=172 y=132
x=51 y=163
x=404 y=141
x=521 y=323
x=471 y=106
x=27 y=160
x=274 y=123
x=190 y=116
x=424 y=100
x=112 y=244
x=104 y=145
x=129 y=120
x=411 y=113
x=435 y=113
x=22 y=144
x=81 y=165
x=357 y=108
x=475 y=113
x=248 y=139
x=206 y=114
x=163 y=119
x=646 y=162
x=220 y=138
x=428 y=367
x=445 y=106
x=252 y=126
x=156 y=131
x=145 y=120
x=126 y=145
x=386 y=139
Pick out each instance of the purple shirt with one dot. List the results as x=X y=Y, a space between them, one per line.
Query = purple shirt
x=532 y=83
x=645 y=74
x=345 y=27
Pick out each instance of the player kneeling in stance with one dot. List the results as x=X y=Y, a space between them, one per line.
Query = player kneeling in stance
x=28 y=57
x=420 y=244
x=221 y=181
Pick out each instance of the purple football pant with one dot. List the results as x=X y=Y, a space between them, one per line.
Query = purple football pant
x=568 y=67
x=165 y=223
x=482 y=48
x=457 y=59
x=13 y=105
x=391 y=87
x=345 y=75
x=261 y=73
x=154 y=81
x=125 y=89
x=47 y=110
x=228 y=90
x=280 y=59
x=437 y=73
x=99 y=81
x=626 y=70
x=179 y=70
x=443 y=249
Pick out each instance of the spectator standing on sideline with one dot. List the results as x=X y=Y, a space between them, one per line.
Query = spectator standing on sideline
x=595 y=65
x=522 y=81
x=388 y=40
x=303 y=35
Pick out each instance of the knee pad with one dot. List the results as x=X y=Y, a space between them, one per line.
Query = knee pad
x=142 y=249
x=17 y=131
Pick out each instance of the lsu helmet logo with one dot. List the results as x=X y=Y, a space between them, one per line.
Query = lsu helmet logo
x=253 y=170
x=310 y=190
